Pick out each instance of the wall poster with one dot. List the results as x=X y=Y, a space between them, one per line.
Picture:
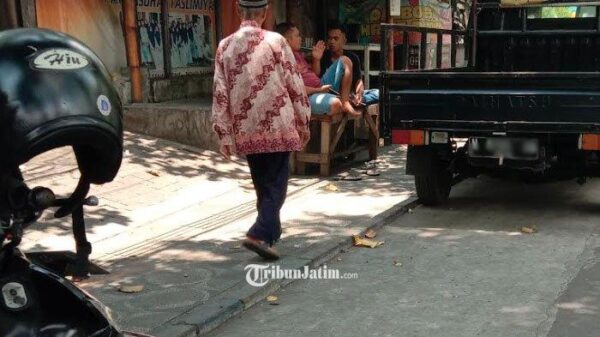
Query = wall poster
x=192 y=32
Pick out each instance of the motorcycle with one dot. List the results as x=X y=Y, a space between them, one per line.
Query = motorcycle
x=54 y=92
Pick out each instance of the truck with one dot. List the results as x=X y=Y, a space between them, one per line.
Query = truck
x=525 y=104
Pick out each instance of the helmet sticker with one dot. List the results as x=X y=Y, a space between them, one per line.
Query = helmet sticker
x=104 y=105
x=15 y=297
x=60 y=59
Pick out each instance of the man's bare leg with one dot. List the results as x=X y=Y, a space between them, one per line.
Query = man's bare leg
x=336 y=107
x=346 y=86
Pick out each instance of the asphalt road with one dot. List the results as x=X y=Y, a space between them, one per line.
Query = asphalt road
x=464 y=269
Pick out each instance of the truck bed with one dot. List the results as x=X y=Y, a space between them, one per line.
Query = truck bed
x=544 y=102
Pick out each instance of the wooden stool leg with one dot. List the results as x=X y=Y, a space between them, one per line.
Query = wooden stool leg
x=300 y=166
x=373 y=136
x=325 y=148
x=373 y=147
x=293 y=163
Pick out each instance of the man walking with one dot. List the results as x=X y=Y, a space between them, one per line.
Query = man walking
x=260 y=110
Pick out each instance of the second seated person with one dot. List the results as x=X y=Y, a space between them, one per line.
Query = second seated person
x=323 y=92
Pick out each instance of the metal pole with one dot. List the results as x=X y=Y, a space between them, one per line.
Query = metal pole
x=439 y=51
x=423 y=50
x=598 y=18
x=164 y=8
x=454 y=8
x=474 y=35
x=133 y=48
x=453 y=51
x=390 y=41
x=384 y=67
x=384 y=51
x=405 y=50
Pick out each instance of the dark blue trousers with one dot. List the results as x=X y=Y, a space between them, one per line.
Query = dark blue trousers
x=270 y=173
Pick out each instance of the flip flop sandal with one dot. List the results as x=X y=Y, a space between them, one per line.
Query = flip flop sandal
x=373 y=173
x=351 y=178
x=262 y=249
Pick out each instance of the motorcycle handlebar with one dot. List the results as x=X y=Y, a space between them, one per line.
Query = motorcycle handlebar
x=42 y=198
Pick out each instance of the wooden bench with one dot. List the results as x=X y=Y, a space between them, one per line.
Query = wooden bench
x=329 y=140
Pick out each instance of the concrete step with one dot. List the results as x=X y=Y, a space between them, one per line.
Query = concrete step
x=184 y=121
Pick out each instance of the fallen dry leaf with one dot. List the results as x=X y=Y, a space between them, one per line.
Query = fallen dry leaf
x=154 y=173
x=397 y=263
x=366 y=242
x=273 y=300
x=529 y=229
x=332 y=188
x=131 y=289
x=370 y=233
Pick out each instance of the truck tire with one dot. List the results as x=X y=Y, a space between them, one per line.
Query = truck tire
x=434 y=189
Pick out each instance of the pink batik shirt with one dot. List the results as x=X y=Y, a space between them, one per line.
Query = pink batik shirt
x=259 y=101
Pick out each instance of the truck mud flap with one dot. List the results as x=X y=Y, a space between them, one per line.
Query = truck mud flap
x=423 y=160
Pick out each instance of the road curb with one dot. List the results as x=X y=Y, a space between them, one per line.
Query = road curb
x=227 y=306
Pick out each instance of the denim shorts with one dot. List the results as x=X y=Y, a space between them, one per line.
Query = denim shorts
x=320 y=103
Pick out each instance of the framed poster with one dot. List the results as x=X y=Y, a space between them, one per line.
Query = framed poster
x=192 y=32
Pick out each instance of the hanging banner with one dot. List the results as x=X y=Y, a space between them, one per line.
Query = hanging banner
x=191 y=31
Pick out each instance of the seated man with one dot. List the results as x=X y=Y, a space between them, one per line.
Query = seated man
x=336 y=40
x=338 y=76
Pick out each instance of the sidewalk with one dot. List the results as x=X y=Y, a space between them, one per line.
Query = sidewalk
x=173 y=221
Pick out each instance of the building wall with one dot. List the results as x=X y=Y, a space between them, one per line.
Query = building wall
x=302 y=14
x=230 y=22
x=9 y=16
x=91 y=21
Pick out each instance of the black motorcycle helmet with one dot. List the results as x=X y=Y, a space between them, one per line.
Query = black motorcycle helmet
x=54 y=92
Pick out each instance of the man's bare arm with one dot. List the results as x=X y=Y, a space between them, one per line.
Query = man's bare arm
x=317 y=55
